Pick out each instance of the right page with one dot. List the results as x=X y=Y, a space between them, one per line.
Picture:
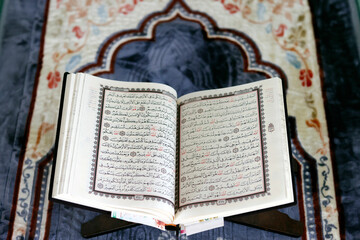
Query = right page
x=233 y=151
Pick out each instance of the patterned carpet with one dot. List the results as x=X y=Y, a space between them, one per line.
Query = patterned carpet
x=189 y=45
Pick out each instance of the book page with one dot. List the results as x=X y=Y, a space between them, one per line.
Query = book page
x=136 y=148
x=224 y=158
x=221 y=148
x=124 y=152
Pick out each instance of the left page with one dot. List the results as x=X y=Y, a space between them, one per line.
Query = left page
x=120 y=152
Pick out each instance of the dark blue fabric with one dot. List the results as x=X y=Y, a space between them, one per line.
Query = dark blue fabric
x=18 y=61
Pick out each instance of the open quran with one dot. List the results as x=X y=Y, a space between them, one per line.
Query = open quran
x=136 y=148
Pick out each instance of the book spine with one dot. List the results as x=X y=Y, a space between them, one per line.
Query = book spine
x=57 y=135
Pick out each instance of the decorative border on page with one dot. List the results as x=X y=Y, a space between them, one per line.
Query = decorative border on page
x=263 y=153
x=137 y=197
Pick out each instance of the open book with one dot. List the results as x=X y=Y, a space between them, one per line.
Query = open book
x=135 y=147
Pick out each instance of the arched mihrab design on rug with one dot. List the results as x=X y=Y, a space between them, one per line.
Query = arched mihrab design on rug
x=183 y=49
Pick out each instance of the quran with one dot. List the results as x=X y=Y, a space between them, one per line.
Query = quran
x=136 y=148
